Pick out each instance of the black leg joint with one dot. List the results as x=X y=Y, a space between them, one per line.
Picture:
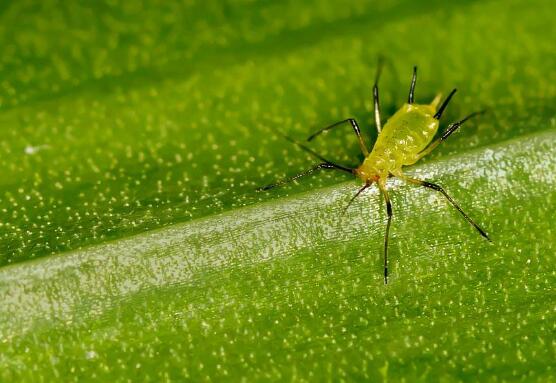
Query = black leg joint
x=433 y=186
x=451 y=129
x=389 y=208
x=355 y=126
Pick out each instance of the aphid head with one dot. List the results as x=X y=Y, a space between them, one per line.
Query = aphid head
x=372 y=170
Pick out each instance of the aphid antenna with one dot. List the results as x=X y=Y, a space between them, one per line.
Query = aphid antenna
x=325 y=164
x=361 y=190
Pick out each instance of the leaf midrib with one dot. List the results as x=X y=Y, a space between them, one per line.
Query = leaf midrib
x=107 y=273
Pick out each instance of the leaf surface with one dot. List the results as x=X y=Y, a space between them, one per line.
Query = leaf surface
x=135 y=247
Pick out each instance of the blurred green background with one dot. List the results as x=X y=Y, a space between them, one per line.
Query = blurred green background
x=132 y=242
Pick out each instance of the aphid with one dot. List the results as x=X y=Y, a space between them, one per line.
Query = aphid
x=406 y=138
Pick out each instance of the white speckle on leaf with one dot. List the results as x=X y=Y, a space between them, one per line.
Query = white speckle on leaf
x=30 y=150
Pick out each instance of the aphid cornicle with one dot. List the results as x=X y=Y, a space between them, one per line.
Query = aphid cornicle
x=406 y=138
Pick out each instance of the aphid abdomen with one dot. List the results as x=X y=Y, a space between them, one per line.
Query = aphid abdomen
x=412 y=141
x=405 y=134
x=408 y=132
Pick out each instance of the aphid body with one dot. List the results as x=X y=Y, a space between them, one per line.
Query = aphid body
x=404 y=136
x=407 y=137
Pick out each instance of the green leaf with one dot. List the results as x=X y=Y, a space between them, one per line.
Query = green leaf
x=134 y=246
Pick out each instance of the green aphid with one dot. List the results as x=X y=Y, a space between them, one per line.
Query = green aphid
x=405 y=138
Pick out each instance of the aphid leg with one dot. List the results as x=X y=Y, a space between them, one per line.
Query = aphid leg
x=411 y=97
x=439 y=188
x=355 y=127
x=324 y=165
x=451 y=129
x=387 y=233
x=376 y=100
x=316 y=155
x=438 y=114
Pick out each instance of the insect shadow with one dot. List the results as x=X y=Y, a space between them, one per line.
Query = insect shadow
x=407 y=136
